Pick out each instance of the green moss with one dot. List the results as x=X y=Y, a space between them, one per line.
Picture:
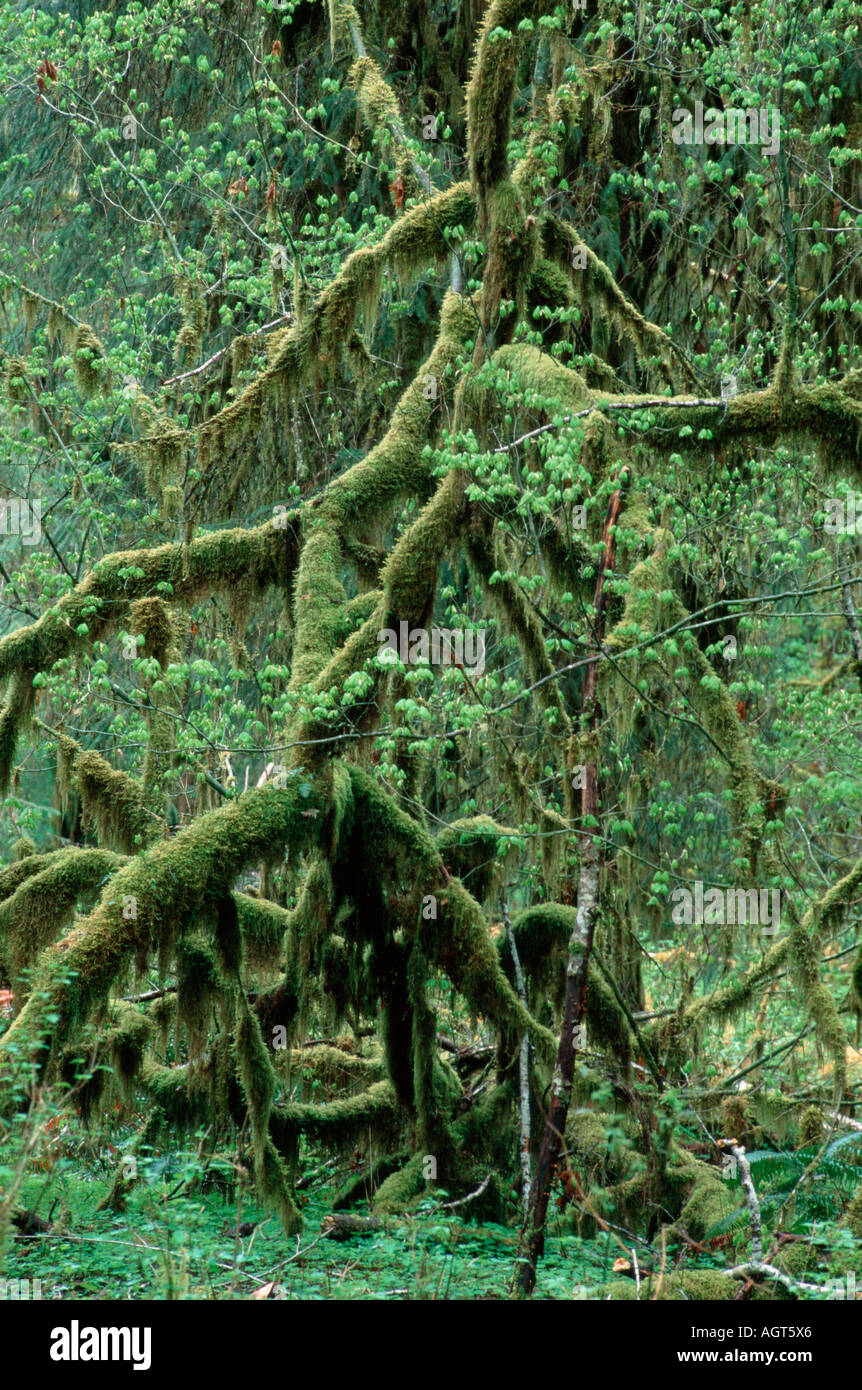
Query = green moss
x=853 y=1214
x=329 y=1066
x=701 y=1195
x=698 y=1285
x=470 y=849
x=43 y=903
x=376 y=102
x=13 y=718
x=857 y=981
x=401 y=1188
x=262 y=925
x=796 y=1259
x=490 y=95
x=811 y=1126
x=212 y=563
x=166 y=884
x=315 y=344
x=88 y=360
x=111 y=800
x=259 y=1083
x=197 y=984
x=596 y=289
x=374 y=1111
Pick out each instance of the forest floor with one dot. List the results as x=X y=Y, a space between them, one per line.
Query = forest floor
x=210 y=1245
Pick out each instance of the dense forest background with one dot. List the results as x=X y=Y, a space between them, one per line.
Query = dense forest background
x=430 y=860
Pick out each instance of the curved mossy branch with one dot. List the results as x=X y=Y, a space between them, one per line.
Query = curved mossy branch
x=341 y=1121
x=829 y=414
x=597 y=290
x=329 y=1065
x=491 y=93
x=13 y=875
x=217 y=562
x=393 y=469
x=313 y=345
x=542 y=378
x=168 y=883
x=409 y=582
x=458 y=939
x=475 y=850
x=111 y=800
x=42 y=904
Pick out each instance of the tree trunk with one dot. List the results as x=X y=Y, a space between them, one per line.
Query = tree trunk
x=580 y=945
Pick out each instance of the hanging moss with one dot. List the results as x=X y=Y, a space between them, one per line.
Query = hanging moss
x=262 y=925
x=596 y=289
x=259 y=1085
x=115 y=1055
x=150 y=619
x=376 y=102
x=328 y=1066
x=212 y=563
x=811 y=1126
x=42 y=904
x=16 y=381
x=126 y=1042
x=111 y=800
x=166 y=884
x=184 y=1098
x=485 y=550
x=197 y=985
x=490 y=93
x=13 y=718
x=459 y=940
x=88 y=360
x=393 y=468
x=314 y=345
